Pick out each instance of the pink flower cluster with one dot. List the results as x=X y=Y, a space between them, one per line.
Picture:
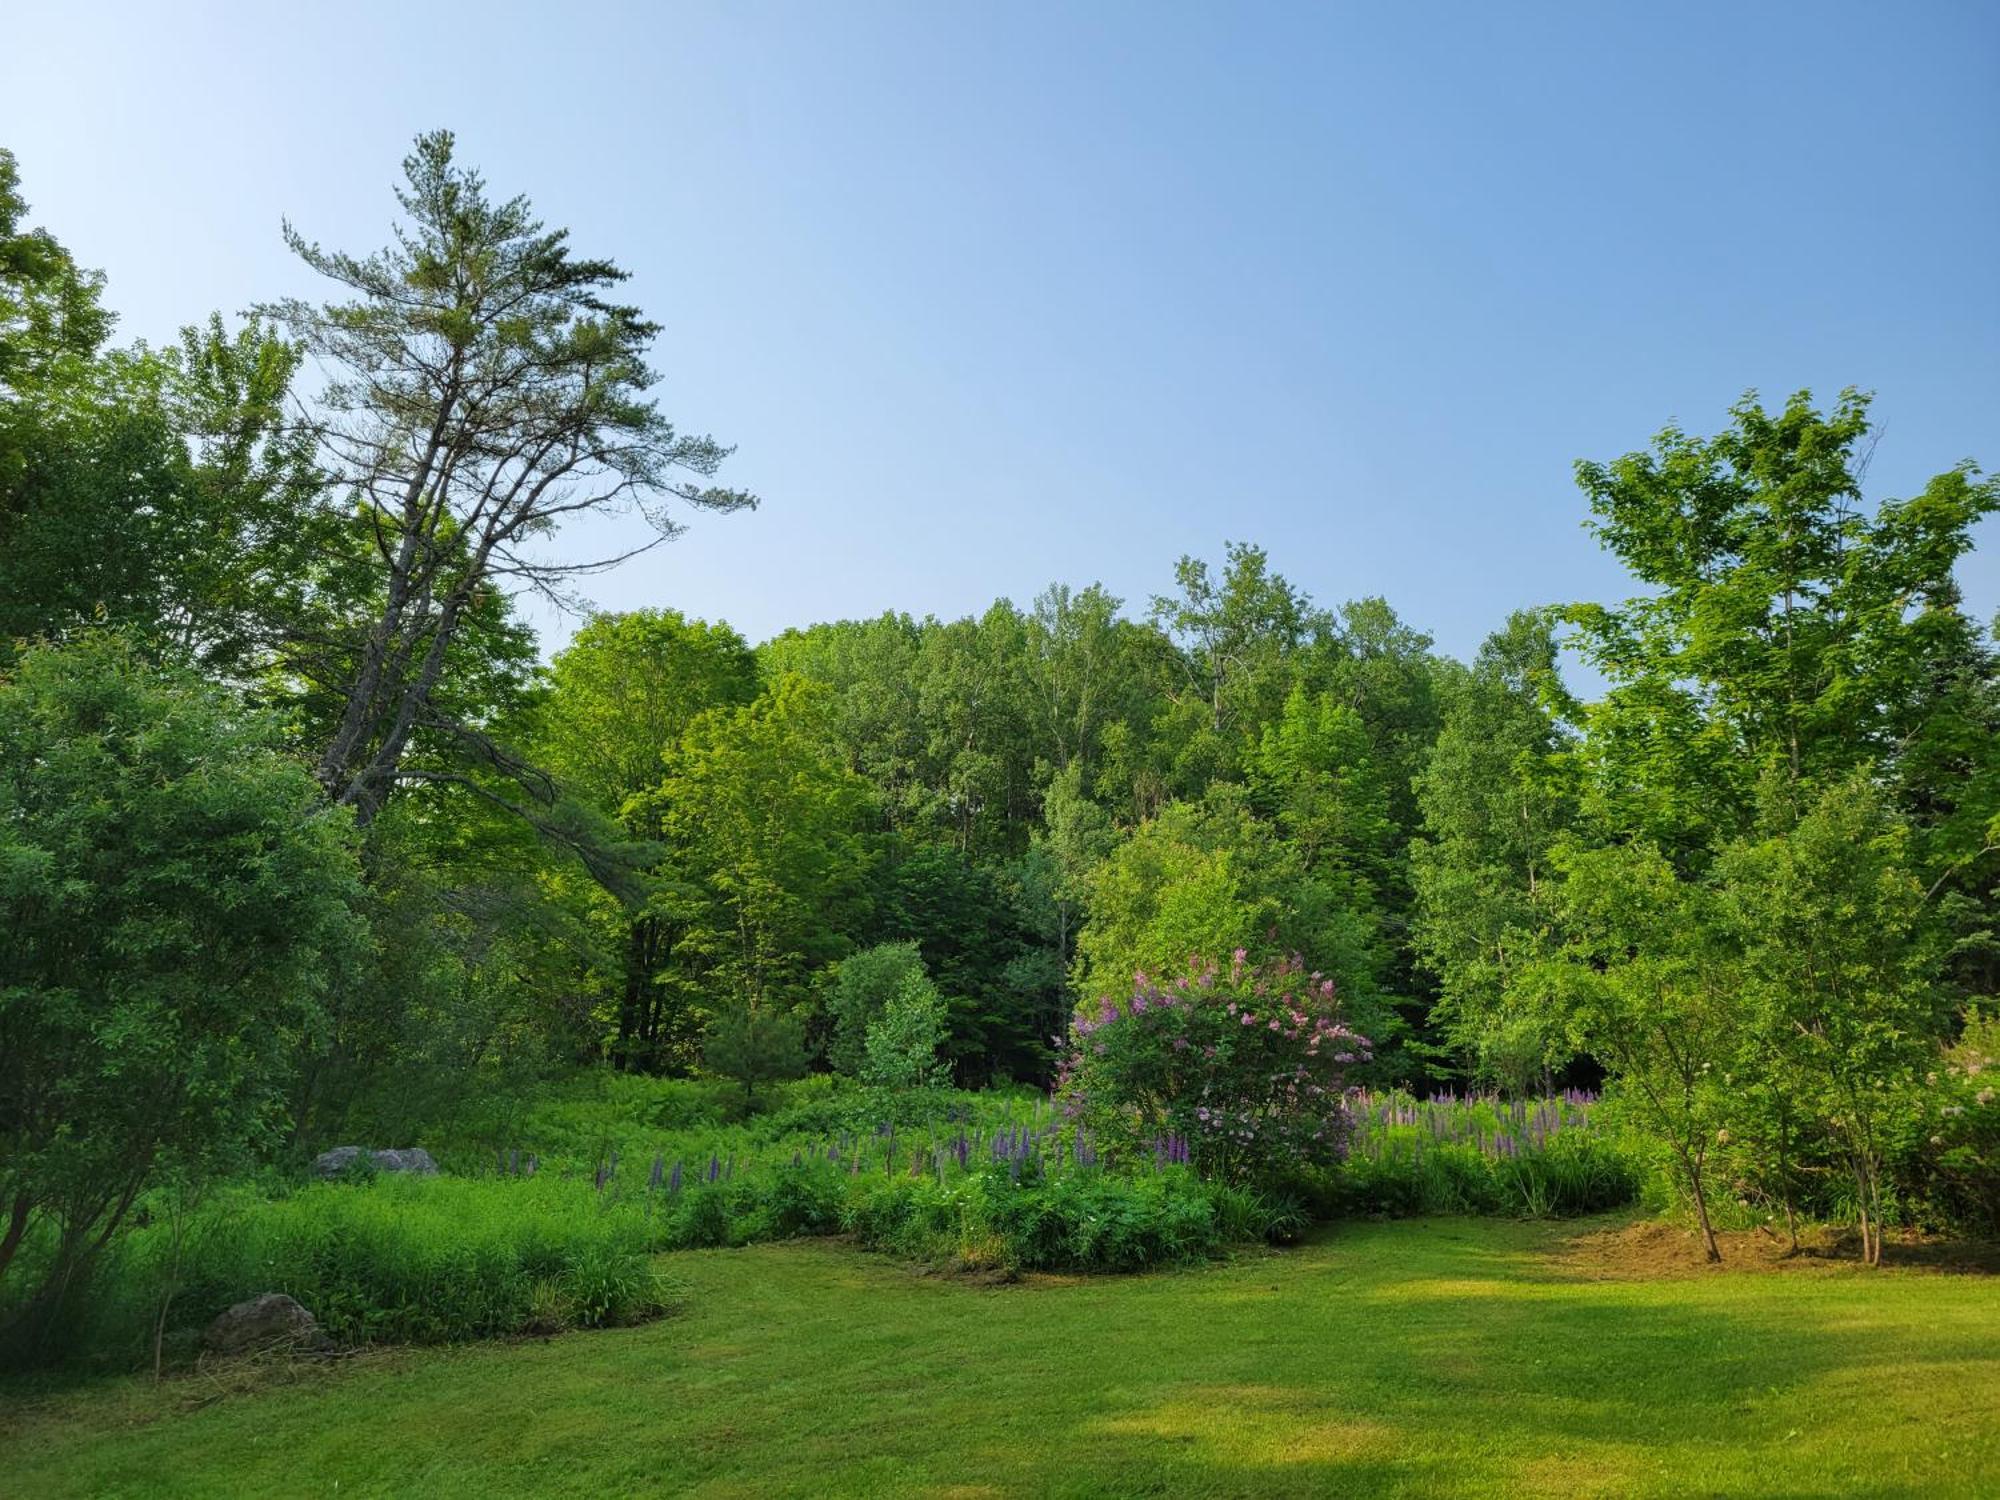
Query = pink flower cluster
x=1247 y=1064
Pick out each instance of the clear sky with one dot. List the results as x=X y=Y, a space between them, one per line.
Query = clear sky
x=993 y=295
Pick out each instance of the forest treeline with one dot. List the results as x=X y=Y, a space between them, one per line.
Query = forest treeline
x=267 y=703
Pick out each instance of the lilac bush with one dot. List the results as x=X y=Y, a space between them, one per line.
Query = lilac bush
x=1242 y=1068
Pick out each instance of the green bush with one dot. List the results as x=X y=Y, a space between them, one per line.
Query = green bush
x=1088 y=1220
x=1572 y=1173
x=396 y=1260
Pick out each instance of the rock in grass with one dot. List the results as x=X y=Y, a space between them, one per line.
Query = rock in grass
x=410 y=1159
x=341 y=1159
x=265 y=1322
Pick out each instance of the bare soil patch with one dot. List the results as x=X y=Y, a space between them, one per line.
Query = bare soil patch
x=1651 y=1249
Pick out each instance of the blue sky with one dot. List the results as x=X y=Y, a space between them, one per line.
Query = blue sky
x=989 y=296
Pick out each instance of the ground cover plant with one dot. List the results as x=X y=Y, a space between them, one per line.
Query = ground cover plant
x=1478 y=1154
x=559 y=1232
x=1417 y=1357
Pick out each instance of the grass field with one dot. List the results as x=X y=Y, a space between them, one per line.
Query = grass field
x=1427 y=1357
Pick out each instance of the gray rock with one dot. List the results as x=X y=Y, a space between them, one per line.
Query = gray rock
x=409 y=1159
x=264 y=1322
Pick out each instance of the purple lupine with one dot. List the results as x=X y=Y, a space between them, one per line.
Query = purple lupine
x=714 y=1167
x=600 y=1176
x=674 y=1180
x=659 y=1171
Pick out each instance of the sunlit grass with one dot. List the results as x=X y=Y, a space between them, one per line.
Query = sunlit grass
x=1426 y=1357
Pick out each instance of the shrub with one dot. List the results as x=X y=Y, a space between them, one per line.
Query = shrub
x=1088 y=1220
x=1570 y=1174
x=1241 y=1069
x=397 y=1260
x=754 y=1044
x=1947 y=1156
x=903 y=1041
x=178 y=899
x=862 y=988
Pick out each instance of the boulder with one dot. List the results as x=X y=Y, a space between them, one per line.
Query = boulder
x=409 y=1159
x=264 y=1322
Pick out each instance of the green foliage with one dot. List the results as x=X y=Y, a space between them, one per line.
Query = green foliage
x=161 y=491
x=1573 y=1174
x=621 y=695
x=626 y=688
x=903 y=1041
x=1946 y=1154
x=1212 y=878
x=1642 y=982
x=179 y=901
x=1838 y=1031
x=1092 y=1222
x=1547 y=1157
x=1313 y=771
x=1496 y=796
x=862 y=988
x=1787 y=630
x=754 y=1044
x=1240 y=1070
x=398 y=1260
x=763 y=829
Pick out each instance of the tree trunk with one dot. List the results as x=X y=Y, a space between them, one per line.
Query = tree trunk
x=1701 y=1210
x=17 y=1227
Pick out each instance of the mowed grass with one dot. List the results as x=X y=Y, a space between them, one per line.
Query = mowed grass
x=1434 y=1357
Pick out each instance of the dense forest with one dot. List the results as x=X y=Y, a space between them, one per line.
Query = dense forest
x=305 y=836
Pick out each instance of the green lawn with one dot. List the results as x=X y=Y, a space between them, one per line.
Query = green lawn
x=1423 y=1358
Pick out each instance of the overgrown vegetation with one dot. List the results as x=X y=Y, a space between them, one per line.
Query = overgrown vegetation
x=302 y=843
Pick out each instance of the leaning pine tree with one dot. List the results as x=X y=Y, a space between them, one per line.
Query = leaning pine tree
x=485 y=390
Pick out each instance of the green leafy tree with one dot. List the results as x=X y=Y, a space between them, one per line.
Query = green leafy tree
x=872 y=716
x=1212 y=878
x=1840 y=993
x=766 y=852
x=1642 y=980
x=903 y=1041
x=1789 y=631
x=179 y=901
x=1496 y=794
x=625 y=689
x=1313 y=774
x=621 y=695
x=1235 y=640
x=862 y=988
x=158 y=490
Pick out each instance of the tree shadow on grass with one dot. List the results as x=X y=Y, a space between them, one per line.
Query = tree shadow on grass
x=1478 y=1369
